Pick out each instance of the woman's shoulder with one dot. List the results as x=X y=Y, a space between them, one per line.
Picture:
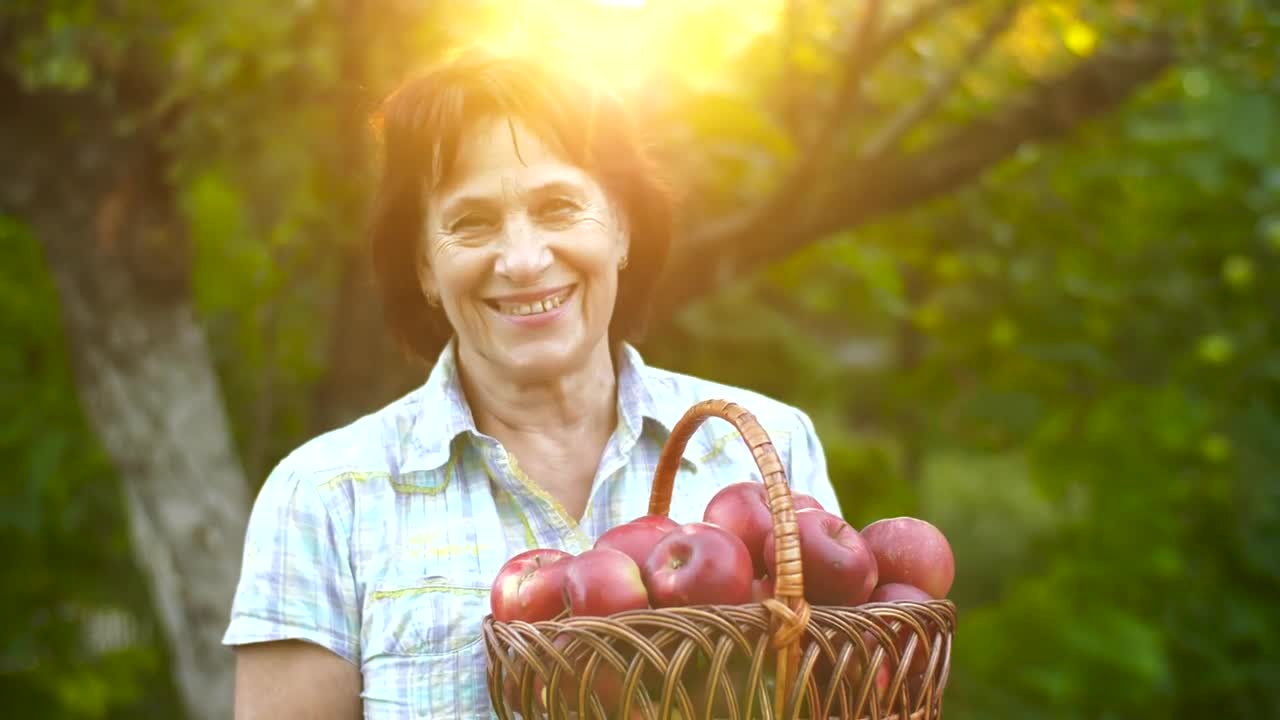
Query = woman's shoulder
x=351 y=447
x=373 y=445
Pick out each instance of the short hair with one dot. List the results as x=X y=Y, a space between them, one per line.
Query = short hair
x=422 y=124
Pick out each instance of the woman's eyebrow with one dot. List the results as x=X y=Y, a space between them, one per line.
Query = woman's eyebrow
x=462 y=203
x=558 y=187
x=483 y=201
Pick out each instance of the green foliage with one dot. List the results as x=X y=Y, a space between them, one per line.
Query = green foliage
x=1095 y=402
x=79 y=641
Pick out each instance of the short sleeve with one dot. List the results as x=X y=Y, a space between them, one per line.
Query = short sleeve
x=808 y=471
x=296 y=580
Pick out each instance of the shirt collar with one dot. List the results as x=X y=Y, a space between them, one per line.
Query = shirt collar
x=647 y=403
x=438 y=413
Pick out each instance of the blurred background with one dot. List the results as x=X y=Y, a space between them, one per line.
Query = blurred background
x=1019 y=260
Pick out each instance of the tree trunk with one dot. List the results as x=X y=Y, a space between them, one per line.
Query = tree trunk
x=105 y=214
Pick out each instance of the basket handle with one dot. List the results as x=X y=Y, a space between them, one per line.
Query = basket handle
x=789 y=610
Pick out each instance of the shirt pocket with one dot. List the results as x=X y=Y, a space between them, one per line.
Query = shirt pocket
x=424 y=647
x=424 y=615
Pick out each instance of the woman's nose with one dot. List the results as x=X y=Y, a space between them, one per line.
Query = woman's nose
x=524 y=255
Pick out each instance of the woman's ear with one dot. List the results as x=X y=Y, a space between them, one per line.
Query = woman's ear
x=623 y=229
x=624 y=250
x=427 y=279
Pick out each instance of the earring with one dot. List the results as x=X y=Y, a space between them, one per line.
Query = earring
x=622 y=264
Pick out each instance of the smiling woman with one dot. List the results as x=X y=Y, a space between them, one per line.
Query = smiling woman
x=517 y=236
x=522 y=252
x=546 y=166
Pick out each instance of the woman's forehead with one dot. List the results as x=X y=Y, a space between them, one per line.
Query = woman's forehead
x=498 y=155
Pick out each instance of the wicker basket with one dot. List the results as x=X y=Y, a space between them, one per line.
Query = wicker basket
x=778 y=659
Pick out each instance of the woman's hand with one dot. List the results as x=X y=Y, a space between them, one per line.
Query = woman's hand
x=293 y=679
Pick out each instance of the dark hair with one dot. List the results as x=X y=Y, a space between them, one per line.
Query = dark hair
x=422 y=125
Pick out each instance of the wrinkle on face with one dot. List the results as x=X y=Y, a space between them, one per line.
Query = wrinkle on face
x=517 y=216
x=514 y=216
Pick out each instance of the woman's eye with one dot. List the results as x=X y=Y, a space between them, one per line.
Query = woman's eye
x=557 y=208
x=470 y=223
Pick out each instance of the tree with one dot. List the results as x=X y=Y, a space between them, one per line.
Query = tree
x=1076 y=381
x=101 y=203
x=826 y=191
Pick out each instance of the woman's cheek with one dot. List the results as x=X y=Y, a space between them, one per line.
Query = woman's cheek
x=464 y=269
x=588 y=247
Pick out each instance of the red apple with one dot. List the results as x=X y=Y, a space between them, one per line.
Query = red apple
x=699 y=564
x=854 y=673
x=530 y=586
x=855 y=668
x=824 y=666
x=883 y=678
x=606 y=682
x=704 y=687
x=743 y=509
x=603 y=581
x=839 y=568
x=893 y=592
x=761 y=588
x=912 y=551
x=801 y=501
x=511 y=688
x=637 y=538
x=662 y=521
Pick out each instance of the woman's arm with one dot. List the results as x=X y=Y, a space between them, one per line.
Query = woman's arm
x=292 y=679
x=295 y=622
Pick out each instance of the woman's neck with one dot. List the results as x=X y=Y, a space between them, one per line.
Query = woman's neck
x=573 y=406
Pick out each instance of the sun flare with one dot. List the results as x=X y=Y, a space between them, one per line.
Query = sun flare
x=628 y=42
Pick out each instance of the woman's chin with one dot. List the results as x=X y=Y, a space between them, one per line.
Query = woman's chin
x=543 y=360
x=531 y=358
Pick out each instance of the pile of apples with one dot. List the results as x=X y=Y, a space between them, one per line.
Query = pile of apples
x=726 y=559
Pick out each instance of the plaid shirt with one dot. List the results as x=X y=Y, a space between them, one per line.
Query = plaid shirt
x=380 y=540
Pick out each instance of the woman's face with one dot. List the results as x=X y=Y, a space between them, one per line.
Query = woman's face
x=522 y=249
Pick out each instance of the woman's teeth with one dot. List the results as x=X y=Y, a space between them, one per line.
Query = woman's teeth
x=533 y=308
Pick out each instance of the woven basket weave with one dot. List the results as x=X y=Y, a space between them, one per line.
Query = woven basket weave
x=781 y=658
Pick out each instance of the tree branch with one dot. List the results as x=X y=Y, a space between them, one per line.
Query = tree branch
x=806 y=170
x=898 y=126
x=922 y=15
x=855 y=71
x=1046 y=112
x=867 y=47
x=790 y=32
x=871 y=189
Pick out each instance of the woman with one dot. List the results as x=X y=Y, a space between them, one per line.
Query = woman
x=518 y=234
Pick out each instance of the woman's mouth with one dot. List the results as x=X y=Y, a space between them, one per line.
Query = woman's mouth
x=536 y=307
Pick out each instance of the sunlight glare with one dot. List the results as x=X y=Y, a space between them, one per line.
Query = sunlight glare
x=630 y=42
